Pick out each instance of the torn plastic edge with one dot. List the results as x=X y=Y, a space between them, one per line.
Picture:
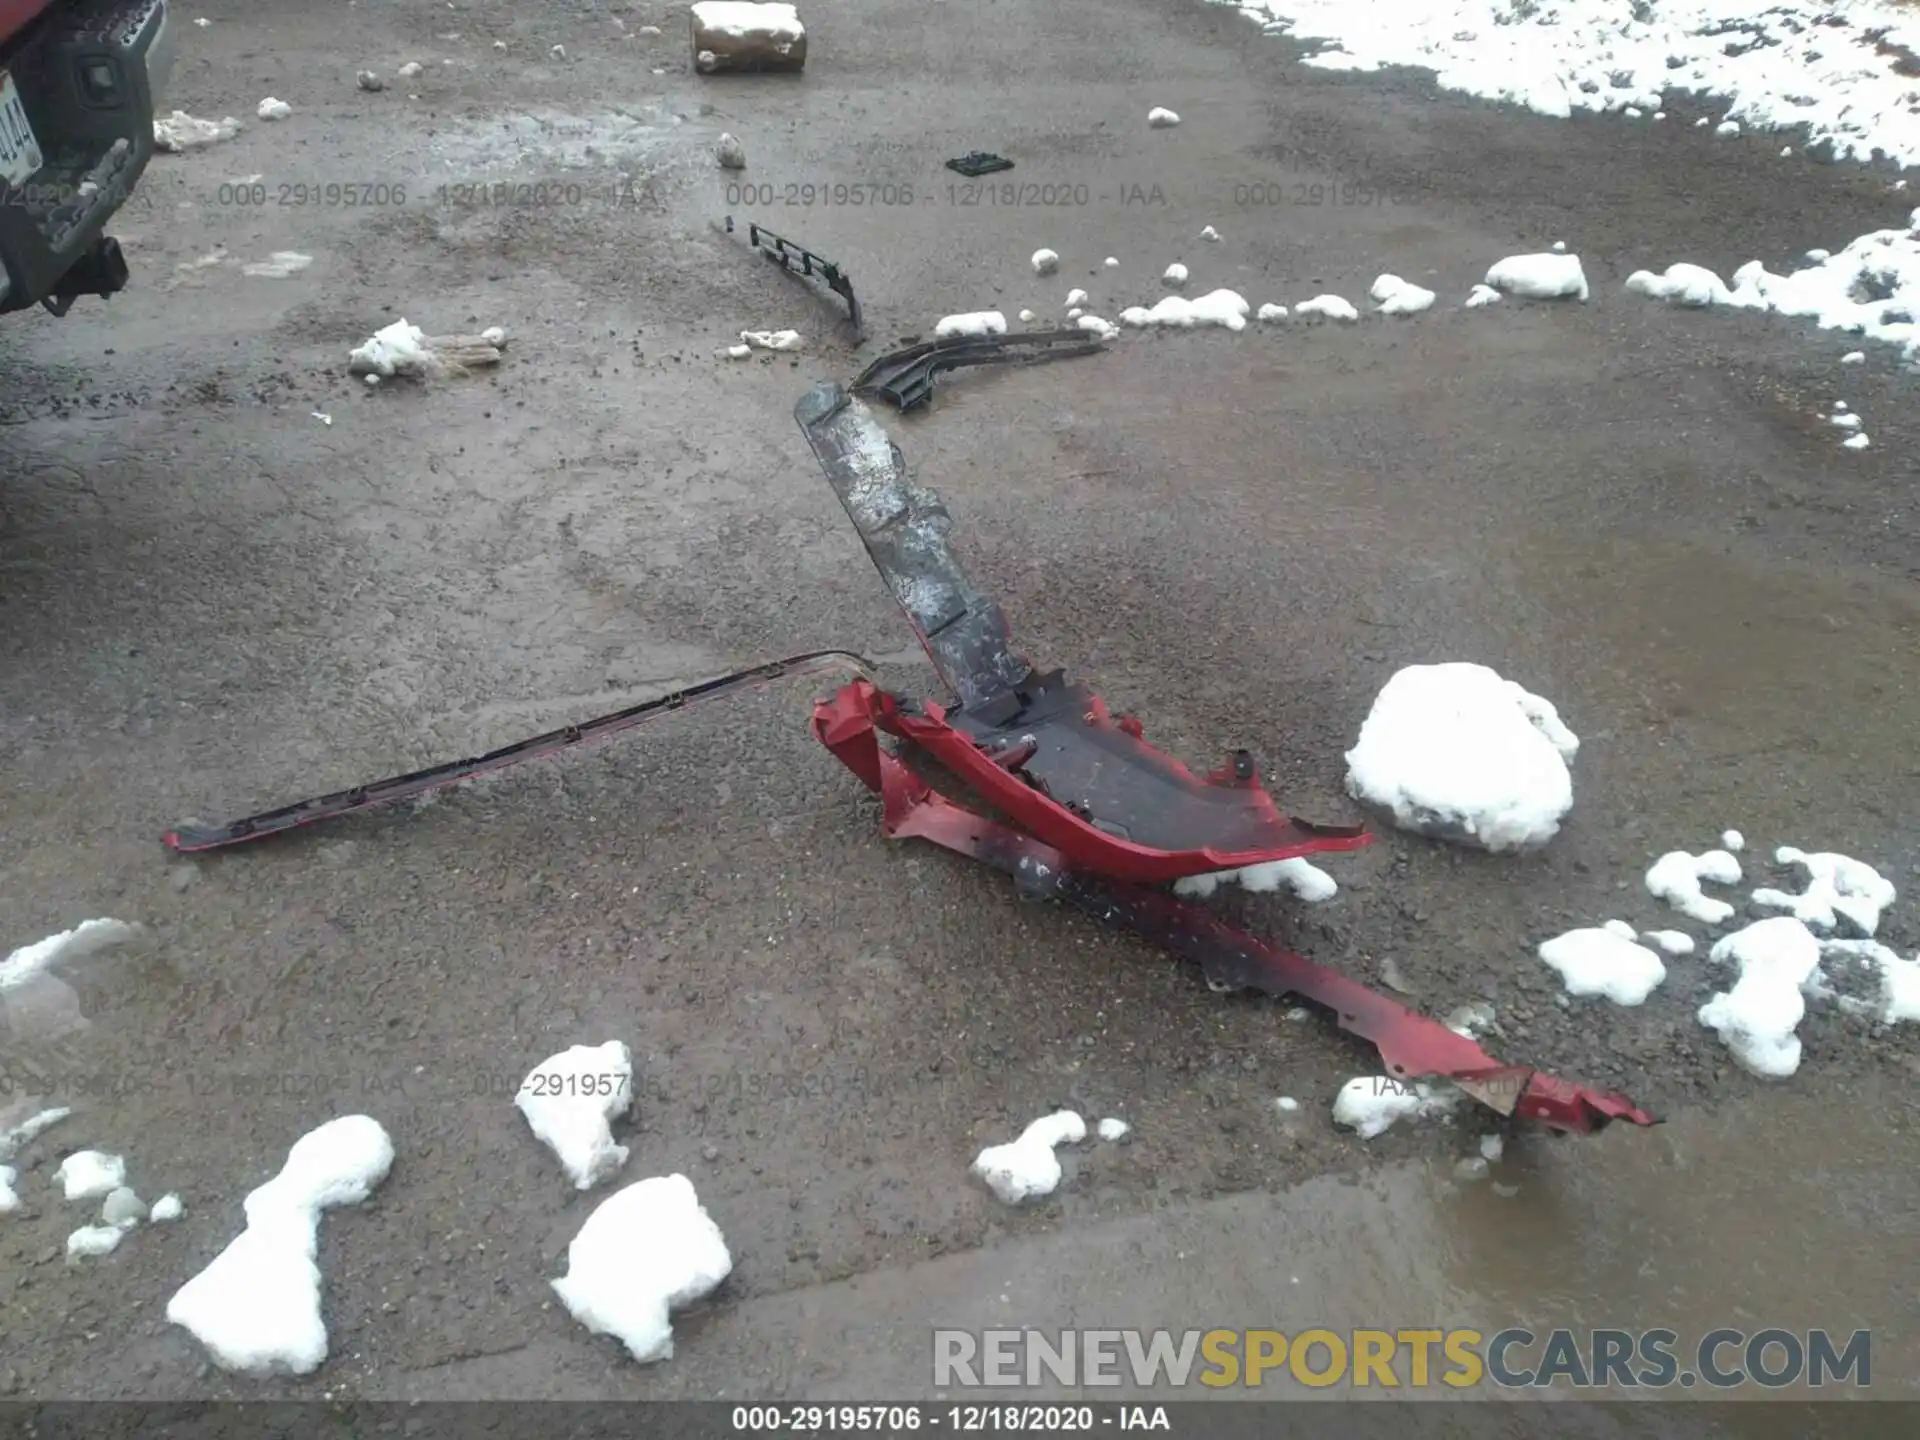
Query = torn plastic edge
x=804 y=264
x=1412 y=1046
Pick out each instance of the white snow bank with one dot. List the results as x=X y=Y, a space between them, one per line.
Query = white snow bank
x=256 y=1308
x=1670 y=942
x=1676 y=878
x=90 y=1174
x=1024 y=1168
x=742 y=19
x=1838 y=889
x=1684 y=284
x=272 y=109
x=1779 y=64
x=1330 y=306
x=1482 y=295
x=181 y=131
x=1400 y=297
x=89 y=937
x=645 y=1252
x=1112 y=1129
x=1757 y=1018
x=1372 y=1104
x=1305 y=879
x=1161 y=118
x=1870 y=288
x=979 y=322
x=570 y=1101
x=1219 y=307
x=1545 y=276
x=771 y=339
x=1456 y=751
x=1270 y=312
x=1603 y=962
x=1175 y=274
x=1045 y=262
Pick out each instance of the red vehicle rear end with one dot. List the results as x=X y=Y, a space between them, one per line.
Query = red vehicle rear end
x=79 y=85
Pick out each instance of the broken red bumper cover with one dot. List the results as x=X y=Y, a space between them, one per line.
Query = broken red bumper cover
x=1098 y=817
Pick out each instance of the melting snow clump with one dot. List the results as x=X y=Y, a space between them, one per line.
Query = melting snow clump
x=90 y=1174
x=180 y=131
x=1457 y=752
x=1176 y=274
x=570 y=1101
x=1482 y=295
x=1271 y=312
x=1076 y=297
x=89 y=937
x=9 y=1197
x=980 y=322
x=1676 y=878
x=1094 y=325
x=1161 y=118
x=1372 y=1104
x=1732 y=840
x=1331 y=307
x=1603 y=962
x=1027 y=317
x=1209 y=233
x=1692 y=285
x=1838 y=889
x=1306 y=880
x=167 y=1207
x=1669 y=942
x=1219 y=307
x=1027 y=1167
x=398 y=349
x=771 y=339
x=16 y=1139
x=1545 y=276
x=1111 y=1129
x=646 y=1251
x=1398 y=297
x=1045 y=262
x=1757 y=1018
x=272 y=109
x=256 y=1308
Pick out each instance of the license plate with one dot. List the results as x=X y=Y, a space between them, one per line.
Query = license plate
x=20 y=157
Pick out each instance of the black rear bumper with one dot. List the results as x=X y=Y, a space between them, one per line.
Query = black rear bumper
x=89 y=75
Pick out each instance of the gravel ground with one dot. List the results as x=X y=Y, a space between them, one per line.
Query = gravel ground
x=215 y=602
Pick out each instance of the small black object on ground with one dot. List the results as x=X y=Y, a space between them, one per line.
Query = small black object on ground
x=904 y=378
x=978 y=162
x=800 y=261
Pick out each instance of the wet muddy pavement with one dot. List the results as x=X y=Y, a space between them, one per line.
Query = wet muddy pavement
x=215 y=601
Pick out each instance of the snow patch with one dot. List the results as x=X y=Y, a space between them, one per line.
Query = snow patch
x=277 y=266
x=1096 y=326
x=1683 y=284
x=180 y=132
x=9 y=1197
x=979 y=322
x=1457 y=752
x=1175 y=274
x=1373 y=1104
x=1670 y=942
x=741 y=19
x=570 y=1101
x=645 y=1252
x=1306 y=880
x=1045 y=262
x=272 y=109
x=1399 y=297
x=1783 y=67
x=256 y=1308
x=1676 y=878
x=167 y=1207
x=1332 y=307
x=1028 y=1167
x=16 y=1139
x=92 y=1241
x=1076 y=298
x=1838 y=889
x=1210 y=234
x=1219 y=307
x=90 y=1174
x=1482 y=295
x=1111 y=1129
x=89 y=937
x=772 y=339
x=1271 y=312
x=1604 y=962
x=1757 y=1018
x=1732 y=840
x=1546 y=276
x=1161 y=118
